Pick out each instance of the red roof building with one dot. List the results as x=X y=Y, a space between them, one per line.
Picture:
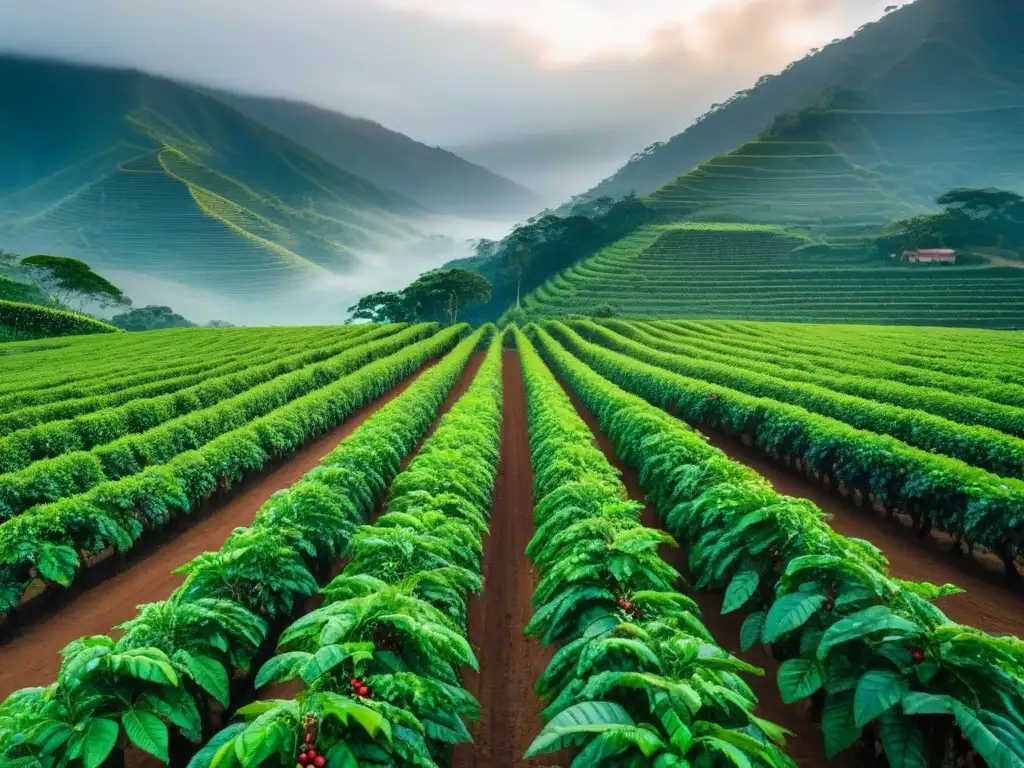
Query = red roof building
x=930 y=256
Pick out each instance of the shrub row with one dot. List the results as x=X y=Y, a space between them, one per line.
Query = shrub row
x=983 y=447
x=202 y=404
x=72 y=370
x=176 y=656
x=880 y=663
x=804 y=357
x=380 y=658
x=960 y=408
x=201 y=384
x=49 y=540
x=638 y=679
x=37 y=321
x=973 y=505
x=76 y=472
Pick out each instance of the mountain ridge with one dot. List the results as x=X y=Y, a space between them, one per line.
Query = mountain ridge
x=434 y=177
x=135 y=172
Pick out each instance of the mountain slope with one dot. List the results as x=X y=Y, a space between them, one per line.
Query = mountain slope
x=752 y=272
x=136 y=173
x=949 y=57
x=436 y=178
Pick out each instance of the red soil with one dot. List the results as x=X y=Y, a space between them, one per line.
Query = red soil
x=31 y=658
x=806 y=745
x=986 y=604
x=510 y=663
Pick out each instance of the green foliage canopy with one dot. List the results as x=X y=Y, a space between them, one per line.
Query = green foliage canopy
x=70 y=280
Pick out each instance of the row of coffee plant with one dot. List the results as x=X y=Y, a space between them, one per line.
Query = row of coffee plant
x=879 y=662
x=638 y=679
x=162 y=686
x=379 y=661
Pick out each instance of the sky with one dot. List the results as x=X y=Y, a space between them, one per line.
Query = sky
x=553 y=93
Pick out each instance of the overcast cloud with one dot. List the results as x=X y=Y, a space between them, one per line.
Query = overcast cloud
x=574 y=85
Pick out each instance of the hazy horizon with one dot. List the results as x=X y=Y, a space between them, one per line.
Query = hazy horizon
x=554 y=94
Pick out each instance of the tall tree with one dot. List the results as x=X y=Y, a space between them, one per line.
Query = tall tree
x=70 y=280
x=450 y=289
x=382 y=307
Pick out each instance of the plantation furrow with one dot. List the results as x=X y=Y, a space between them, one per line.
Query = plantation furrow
x=234 y=602
x=877 y=661
x=509 y=663
x=49 y=541
x=31 y=654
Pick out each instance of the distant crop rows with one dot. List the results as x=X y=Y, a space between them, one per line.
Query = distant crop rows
x=73 y=487
x=918 y=450
x=760 y=273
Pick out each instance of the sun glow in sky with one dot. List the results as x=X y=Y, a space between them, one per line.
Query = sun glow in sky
x=574 y=31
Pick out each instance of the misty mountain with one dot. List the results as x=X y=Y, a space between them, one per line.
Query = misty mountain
x=930 y=77
x=140 y=175
x=435 y=178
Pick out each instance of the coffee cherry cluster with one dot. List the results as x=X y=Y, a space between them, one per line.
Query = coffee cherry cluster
x=627 y=606
x=308 y=755
x=917 y=655
x=360 y=688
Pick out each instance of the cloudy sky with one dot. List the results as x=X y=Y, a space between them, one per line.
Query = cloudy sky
x=555 y=93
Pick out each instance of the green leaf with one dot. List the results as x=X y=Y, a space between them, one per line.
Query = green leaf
x=323 y=661
x=750 y=632
x=877 y=691
x=282 y=668
x=790 y=612
x=210 y=675
x=99 y=741
x=903 y=741
x=740 y=590
x=147 y=732
x=340 y=756
x=799 y=678
x=877 y=618
x=208 y=756
x=837 y=723
x=566 y=727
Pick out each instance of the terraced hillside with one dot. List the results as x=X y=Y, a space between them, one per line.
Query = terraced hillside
x=941 y=85
x=759 y=272
x=805 y=184
x=139 y=174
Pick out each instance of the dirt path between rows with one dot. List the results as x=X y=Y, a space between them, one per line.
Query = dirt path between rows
x=986 y=604
x=806 y=746
x=510 y=663
x=31 y=657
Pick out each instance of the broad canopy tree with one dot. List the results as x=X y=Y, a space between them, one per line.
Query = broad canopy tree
x=437 y=295
x=970 y=218
x=70 y=281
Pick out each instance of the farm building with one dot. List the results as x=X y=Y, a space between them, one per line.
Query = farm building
x=930 y=256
